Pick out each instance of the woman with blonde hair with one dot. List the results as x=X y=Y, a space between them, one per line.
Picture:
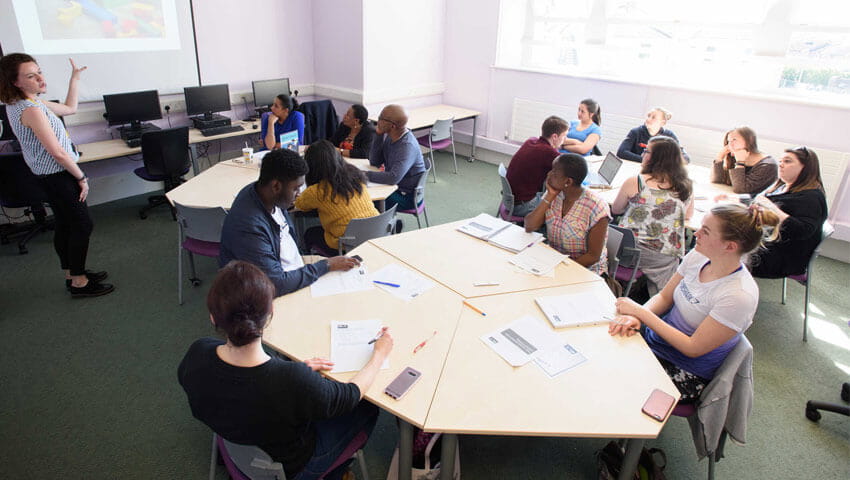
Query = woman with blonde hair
x=637 y=139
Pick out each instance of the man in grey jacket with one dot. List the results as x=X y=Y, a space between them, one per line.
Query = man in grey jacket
x=397 y=150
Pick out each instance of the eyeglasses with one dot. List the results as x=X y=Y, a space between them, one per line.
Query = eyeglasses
x=382 y=119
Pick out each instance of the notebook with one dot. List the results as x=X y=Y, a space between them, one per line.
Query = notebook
x=500 y=233
x=578 y=309
x=606 y=173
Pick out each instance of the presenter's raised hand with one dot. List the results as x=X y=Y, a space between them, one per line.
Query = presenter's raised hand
x=75 y=72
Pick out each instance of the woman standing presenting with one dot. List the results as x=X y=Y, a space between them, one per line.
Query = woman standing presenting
x=49 y=154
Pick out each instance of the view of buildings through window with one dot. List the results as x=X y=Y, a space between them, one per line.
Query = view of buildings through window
x=790 y=48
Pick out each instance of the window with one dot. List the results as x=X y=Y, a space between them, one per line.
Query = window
x=777 y=47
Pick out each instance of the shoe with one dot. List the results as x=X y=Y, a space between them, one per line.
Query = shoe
x=399 y=225
x=96 y=277
x=92 y=289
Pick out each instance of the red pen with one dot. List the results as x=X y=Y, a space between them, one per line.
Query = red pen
x=419 y=347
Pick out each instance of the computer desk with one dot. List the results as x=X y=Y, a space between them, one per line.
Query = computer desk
x=425 y=117
x=465 y=387
x=106 y=149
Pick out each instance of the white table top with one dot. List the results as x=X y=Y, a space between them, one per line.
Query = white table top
x=424 y=117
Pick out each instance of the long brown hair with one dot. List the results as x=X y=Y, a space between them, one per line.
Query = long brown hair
x=809 y=177
x=9 y=66
x=745 y=226
x=594 y=110
x=750 y=140
x=666 y=165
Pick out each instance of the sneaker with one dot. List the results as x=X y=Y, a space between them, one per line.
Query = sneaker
x=92 y=289
x=96 y=277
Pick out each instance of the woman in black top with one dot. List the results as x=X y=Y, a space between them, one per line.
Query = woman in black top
x=300 y=418
x=797 y=198
x=354 y=135
x=632 y=147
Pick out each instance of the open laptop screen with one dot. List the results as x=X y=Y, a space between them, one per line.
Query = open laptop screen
x=609 y=168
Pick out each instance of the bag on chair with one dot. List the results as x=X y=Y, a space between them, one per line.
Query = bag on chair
x=426 y=458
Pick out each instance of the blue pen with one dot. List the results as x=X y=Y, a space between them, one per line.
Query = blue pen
x=386 y=283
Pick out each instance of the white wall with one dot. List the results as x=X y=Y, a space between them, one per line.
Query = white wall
x=338 y=48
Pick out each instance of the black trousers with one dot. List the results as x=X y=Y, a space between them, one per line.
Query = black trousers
x=73 y=223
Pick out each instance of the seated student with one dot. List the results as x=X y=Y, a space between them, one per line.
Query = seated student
x=532 y=162
x=397 y=150
x=699 y=316
x=355 y=134
x=742 y=165
x=282 y=119
x=584 y=133
x=290 y=411
x=337 y=190
x=632 y=147
x=258 y=228
x=798 y=200
x=576 y=218
x=656 y=204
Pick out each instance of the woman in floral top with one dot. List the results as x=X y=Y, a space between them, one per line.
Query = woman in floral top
x=656 y=204
x=576 y=219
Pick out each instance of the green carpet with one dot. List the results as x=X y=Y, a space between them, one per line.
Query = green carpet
x=88 y=388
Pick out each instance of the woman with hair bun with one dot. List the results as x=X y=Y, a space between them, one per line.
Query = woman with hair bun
x=298 y=417
x=700 y=315
x=283 y=118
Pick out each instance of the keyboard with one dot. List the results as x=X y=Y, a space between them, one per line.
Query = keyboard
x=209 y=132
x=134 y=142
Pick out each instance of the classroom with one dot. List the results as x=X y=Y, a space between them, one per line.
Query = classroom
x=90 y=387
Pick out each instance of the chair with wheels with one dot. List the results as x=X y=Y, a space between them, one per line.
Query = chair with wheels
x=166 y=157
x=19 y=188
x=506 y=207
x=727 y=400
x=629 y=268
x=360 y=230
x=812 y=406
x=198 y=232
x=805 y=277
x=248 y=462
x=440 y=137
x=419 y=197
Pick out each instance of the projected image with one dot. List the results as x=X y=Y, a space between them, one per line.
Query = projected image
x=96 y=26
x=90 y=19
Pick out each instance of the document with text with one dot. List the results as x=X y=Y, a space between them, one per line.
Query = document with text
x=350 y=347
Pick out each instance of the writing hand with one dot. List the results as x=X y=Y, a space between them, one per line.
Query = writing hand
x=624 y=325
x=384 y=344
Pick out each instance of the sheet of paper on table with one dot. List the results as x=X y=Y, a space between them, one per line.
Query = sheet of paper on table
x=333 y=283
x=539 y=259
x=410 y=284
x=350 y=347
x=577 y=309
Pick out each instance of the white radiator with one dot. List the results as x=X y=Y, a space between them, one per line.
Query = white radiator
x=702 y=144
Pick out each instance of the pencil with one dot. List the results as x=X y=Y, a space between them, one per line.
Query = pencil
x=474 y=308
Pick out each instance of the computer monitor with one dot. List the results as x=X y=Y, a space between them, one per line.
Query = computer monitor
x=207 y=100
x=266 y=90
x=133 y=108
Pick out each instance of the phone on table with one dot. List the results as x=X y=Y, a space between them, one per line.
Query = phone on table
x=658 y=405
x=402 y=383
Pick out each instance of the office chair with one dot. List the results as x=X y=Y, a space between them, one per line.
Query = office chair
x=736 y=374
x=19 y=188
x=805 y=277
x=166 y=157
x=361 y=230
x=506 y=207
x=612 y=246
x=198 y=232
x=629 y=268
x=440 y=137
x=419 y=197
x=247 y=462
x=812 y=406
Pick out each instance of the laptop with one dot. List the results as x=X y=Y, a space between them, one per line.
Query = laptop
x=604 y=176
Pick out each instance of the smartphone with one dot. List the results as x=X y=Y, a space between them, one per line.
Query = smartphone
x=358 y=258
x=402 y=383
x=658 y=405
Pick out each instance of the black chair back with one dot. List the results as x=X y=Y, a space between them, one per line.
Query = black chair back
x=18 y=186
x=166 y=152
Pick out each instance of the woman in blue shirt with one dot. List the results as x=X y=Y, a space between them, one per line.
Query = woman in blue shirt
x=584 y=133
x=283 y=118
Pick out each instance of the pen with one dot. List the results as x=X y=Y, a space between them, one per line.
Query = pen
x=474 y=308
x=379 y=335
x=386 y=283
x=419 y=347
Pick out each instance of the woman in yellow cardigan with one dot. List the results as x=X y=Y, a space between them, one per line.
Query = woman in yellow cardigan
x=338 y=191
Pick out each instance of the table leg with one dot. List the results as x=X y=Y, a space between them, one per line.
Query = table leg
x=405 y=450
x=630 y=461
x=474 y=128
x=193 y=154
x=447 y=456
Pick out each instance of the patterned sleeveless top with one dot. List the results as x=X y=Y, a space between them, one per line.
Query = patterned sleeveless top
x=36 y=156
x=657 y=218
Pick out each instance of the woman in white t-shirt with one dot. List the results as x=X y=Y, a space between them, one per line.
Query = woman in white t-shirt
x=699 y=316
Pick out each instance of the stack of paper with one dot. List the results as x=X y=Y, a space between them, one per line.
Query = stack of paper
x=527 y=339
x=575 y=309
x=539 y=259
x=332 y=283
x=500 y=233
x=350 y=347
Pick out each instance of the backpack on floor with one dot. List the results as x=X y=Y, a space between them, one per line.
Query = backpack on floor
x=426 y=457
x=609 y=462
